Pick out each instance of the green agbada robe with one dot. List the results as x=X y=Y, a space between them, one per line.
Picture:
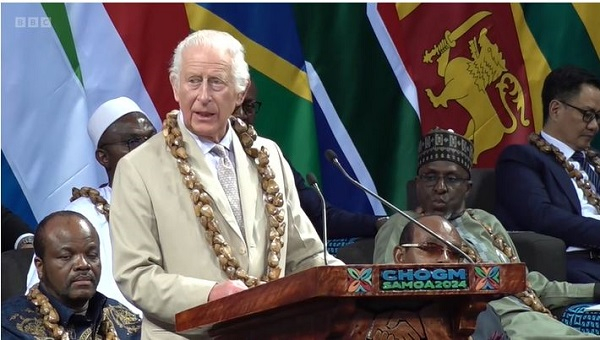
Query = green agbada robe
x=518 y=320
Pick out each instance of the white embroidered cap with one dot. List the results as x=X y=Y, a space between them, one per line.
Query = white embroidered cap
x=108 y=113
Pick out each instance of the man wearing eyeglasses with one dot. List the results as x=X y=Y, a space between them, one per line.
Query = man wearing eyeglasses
x=116 y=128
x=418 y=246
x=442 y=185
x=250 y=106
x=551 y=185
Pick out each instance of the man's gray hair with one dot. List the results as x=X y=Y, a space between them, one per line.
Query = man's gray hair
x=222 y=42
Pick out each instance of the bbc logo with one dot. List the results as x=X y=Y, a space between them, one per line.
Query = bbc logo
x=32 y=22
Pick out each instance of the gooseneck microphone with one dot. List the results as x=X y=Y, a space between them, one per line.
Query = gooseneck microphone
x=312 y=181
x=332 y=157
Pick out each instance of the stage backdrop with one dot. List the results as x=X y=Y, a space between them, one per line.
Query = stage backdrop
x=365 y=80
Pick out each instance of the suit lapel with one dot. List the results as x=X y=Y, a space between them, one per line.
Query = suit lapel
x=564 y=181
x=210 y=182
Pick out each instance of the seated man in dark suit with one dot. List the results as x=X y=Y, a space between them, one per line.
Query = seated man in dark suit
x=341 y=223
x=16 y=234
x=66 y=305
x=551 y=185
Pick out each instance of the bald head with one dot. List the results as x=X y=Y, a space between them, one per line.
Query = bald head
x=418 y=246
x=54 y=220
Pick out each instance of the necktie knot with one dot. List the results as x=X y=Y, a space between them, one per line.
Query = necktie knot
x=219 y=150
x=578 y=157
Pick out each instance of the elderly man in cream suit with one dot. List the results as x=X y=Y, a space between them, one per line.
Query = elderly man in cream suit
x=181 y=236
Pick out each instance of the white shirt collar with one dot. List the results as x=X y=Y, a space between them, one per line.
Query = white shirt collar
x=564 y=148
x=206 y=145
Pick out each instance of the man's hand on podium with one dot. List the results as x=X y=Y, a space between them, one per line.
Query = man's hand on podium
x=226 y=288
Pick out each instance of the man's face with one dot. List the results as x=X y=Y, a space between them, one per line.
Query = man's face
x=206 y=92
x=70 y=268
x=121 y=137
x=442 y=188
x=425 y=248
x=567 y=122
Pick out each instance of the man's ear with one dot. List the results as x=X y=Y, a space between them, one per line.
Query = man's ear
x=175 y=87
x=553 y=109
x=398 y=254
x=102 y=157
x=39 y=267
x=241 y=96
x=469 y=187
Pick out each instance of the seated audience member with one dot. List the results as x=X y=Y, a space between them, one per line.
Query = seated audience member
x=551 y=185
x=117 y=127
x=65 y=304
x=579 y=317
x=16 y=234
x=443 y=183
x=340 y=223
x=418 y=246
x=17 y=252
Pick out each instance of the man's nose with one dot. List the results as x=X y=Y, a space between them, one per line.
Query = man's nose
x=440 y=185
x=444 y=256
x=593 y=125
x=203 y=94
x=81 y=263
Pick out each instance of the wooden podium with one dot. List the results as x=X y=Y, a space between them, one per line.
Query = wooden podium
x=359 y=302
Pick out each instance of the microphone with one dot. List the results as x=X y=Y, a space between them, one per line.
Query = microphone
x=312 y=181
x=332 y=157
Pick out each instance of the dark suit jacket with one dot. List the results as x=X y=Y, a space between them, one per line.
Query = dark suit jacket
x=12 y=227
x=534 y=192
x=340 y=223
x=15 y=264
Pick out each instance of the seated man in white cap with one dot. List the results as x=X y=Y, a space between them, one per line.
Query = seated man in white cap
x=117 y=127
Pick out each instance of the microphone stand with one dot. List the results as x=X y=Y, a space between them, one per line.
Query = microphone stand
x=312 y=181
x=332 y=157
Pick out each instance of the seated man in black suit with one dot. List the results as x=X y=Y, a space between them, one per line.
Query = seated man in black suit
x=16 y=234
x=341 y=223
x=551 y=185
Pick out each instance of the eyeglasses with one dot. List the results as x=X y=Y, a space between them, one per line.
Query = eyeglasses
x=251 y=106
x=449 y=181
x=588 y=115
x=432 y=248
x=131 y=143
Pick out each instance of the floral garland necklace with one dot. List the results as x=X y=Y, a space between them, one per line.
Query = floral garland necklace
x=94 y=195
x=529 y=297
x=50 y=317
x=584 y=185
x=203 y=203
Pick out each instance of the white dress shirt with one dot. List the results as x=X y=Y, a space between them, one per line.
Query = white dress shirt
x=587 y=210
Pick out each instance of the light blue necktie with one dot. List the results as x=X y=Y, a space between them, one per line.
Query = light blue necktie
x=228 y=179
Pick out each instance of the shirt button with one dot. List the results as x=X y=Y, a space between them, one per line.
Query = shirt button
x=243 y=251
